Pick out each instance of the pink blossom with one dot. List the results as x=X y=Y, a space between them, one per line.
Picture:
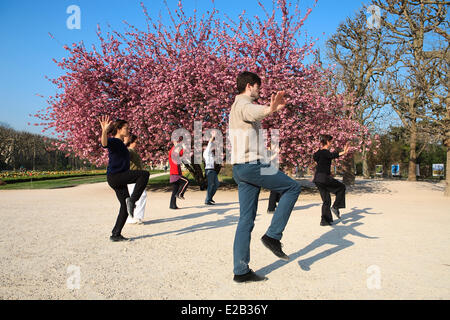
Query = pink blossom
x=169 y=77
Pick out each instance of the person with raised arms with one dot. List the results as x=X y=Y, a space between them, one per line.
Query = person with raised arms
x=326 y=183
x=136 y=164
x=210 y=171
x=251 y=173
x=118 y=172
x=178 y=181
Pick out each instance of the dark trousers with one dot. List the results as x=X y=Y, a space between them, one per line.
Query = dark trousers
x=119 y=182
x=273 y=199
x=327 y=186
x=179 y=187
x=213 y=184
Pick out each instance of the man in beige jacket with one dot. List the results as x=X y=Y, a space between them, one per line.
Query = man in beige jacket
x=251 y=173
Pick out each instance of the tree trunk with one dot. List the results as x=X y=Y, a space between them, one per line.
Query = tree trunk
x=447 y=171
x=34 y=155
x=412 y=152
x=349 y=172
x=13 y=154
x=217 y=168
x=199 y=176
x=197 y=173
x=365 y=166
x=447 y=144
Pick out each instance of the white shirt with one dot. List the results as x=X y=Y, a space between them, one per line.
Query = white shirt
x=209 y=157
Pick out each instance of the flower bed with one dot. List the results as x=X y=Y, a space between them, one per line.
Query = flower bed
x=24 y=176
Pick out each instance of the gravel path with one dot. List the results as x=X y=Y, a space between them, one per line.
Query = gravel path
x=392 y=243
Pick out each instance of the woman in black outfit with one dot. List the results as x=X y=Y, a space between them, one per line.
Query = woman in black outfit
x=118 y=172
x=326 y=183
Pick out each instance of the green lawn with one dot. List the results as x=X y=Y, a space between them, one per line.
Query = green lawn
x=162 y=181
x=54 y=183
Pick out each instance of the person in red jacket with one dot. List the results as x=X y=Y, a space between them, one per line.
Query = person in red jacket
x=177 y=180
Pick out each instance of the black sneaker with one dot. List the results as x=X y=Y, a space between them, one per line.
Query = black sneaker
x=130 y=207
x=209 y=203
x=213 y=201
x=336 y=212
x=249 y=277
x=274 y=245
x=118 y=238
x=326 y=223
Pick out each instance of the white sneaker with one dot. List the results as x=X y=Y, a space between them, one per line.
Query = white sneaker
x=132 y=221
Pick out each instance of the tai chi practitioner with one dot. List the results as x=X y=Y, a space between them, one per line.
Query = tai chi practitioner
x=326 y=183
x=136 y=164
x=274 y=198
x=177 y=180
x=118 y=172
x=251 y=173
x=210 y=172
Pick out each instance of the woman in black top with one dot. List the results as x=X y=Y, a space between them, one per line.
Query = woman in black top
x=326 y=183
x=118 y=172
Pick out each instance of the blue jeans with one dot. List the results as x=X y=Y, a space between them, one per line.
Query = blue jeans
x=213 y=184
x=250 y=180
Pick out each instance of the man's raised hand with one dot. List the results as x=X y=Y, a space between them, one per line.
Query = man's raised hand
x=277 y=101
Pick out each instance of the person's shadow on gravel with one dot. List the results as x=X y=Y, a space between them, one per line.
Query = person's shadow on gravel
x=334 y=237
x=224 y=221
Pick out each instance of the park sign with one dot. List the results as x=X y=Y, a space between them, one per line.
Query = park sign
x=395 y=170
x=438 y=169
x=379 y=170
